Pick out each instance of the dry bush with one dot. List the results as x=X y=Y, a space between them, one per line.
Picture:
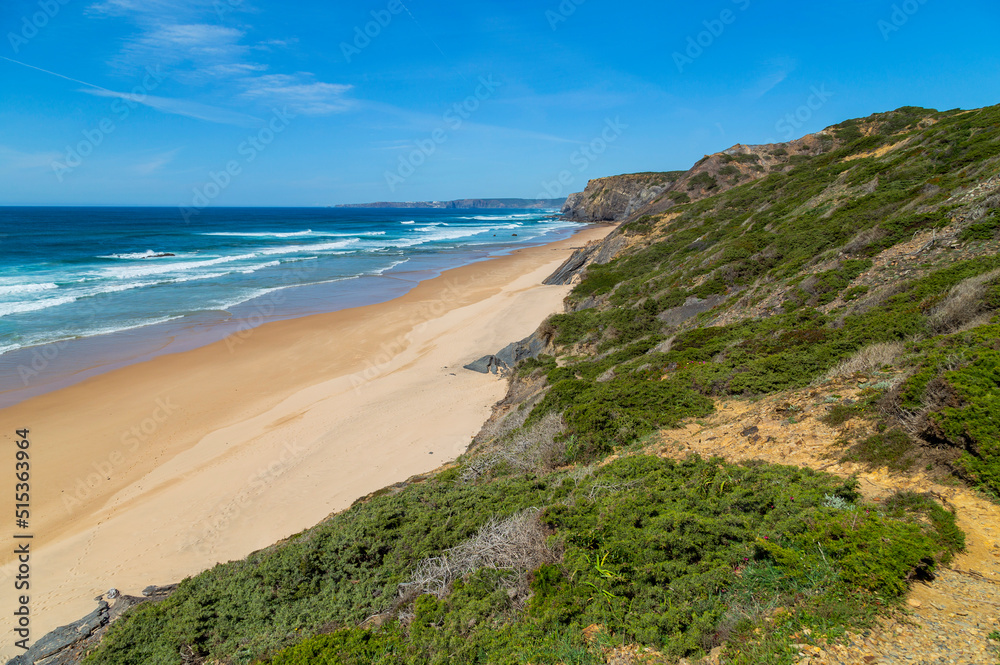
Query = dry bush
x=531 y=449
x=515 y=544
x=981 y=320
x=964 y=303
x=867 y=360
x=937 y=395
x=873 y=299
x=523 y=394
x=863 y=240
x=497 y=428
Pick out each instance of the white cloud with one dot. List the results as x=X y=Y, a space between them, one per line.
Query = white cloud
x=780 y=69
x=180 y=37
x=155 y=8
x=12 y=160
x=298 y=93
x=156 y=163
x=209 y=50
x=184 y=107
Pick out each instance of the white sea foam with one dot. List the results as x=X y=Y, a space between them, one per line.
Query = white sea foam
x=148 y=254
x=321 y=247
x=437 y=234
x=40 y=340
x=17 y=289
x=7 y=309
x=273 y=234
x=253 y=269
x=409 y=222
x=131 y=272
x=389 y=267
x=501 y=218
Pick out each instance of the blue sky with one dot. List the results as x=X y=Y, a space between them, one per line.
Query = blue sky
x=259 y=102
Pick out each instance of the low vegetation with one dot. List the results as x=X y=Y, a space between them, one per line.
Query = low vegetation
x=868 y=256
x=679 y=556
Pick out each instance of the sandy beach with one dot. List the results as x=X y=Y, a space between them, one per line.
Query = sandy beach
x=156 y=471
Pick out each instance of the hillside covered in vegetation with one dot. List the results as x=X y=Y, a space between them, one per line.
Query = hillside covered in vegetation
x=867 y=250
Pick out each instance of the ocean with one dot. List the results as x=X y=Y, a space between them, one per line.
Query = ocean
x=83 y=290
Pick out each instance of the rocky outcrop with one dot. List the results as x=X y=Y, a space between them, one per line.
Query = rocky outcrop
x=55 y=647
x=691 y=308
x=626 y=197
x=67 y=645
x=597 y=252
x=506 y=358
x=618 y=197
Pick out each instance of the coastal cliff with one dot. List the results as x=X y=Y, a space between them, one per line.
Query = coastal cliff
x=622 y=197
x=615 y=198
x=745 y=390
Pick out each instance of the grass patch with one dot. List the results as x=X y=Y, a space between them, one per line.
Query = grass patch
x=891 y=449
x=680 y=557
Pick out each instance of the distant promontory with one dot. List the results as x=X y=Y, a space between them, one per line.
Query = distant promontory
x=522 y=204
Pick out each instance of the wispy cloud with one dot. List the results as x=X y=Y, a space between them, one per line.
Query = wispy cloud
x=153 y=8
x=12 y=160
x=417 y=123
x=197 y=51
x=215 y=60
x=272 y=44
x=780 y=69
x=184 y=107
x=298 y=93
x=156 y=163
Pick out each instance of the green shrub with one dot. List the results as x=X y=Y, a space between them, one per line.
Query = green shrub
x=891 y=449
x=839 y=414
x=703 y=181
x=986 y=230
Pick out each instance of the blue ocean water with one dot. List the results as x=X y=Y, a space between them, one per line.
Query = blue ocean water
x=77 y=273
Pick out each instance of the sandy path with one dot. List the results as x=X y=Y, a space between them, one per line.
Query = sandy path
x=952 y=617
x=159 y=470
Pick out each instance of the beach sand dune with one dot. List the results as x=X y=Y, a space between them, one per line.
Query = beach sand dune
x=156 y=471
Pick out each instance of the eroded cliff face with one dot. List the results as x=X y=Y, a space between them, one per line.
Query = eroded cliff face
x=625 y=197
x=616 y=198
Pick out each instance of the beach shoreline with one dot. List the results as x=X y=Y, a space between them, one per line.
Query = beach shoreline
x=158 y=470
x=35 y=369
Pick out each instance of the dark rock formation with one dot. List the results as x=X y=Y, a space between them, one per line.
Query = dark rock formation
x=692 y=307
x=596 y=252
x=506 y=358
x=50 y=649
x=618 y=197
x=67 y=645
x=627 y=197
